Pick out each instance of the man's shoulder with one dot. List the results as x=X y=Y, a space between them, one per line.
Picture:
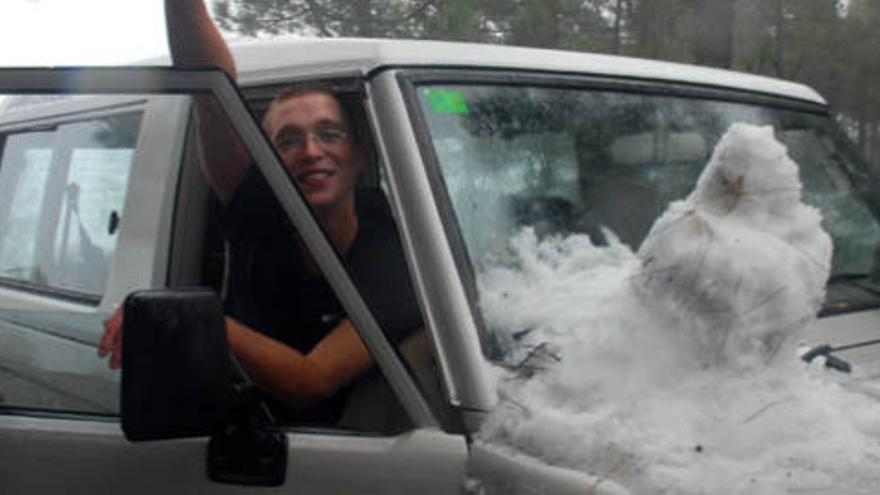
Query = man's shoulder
x=253 y=211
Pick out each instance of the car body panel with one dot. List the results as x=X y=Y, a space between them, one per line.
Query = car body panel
x=283 y=58
x=91 y=456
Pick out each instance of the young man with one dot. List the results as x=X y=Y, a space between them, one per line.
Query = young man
x=285 y=325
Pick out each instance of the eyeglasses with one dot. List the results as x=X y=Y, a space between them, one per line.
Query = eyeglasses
x=326 y=137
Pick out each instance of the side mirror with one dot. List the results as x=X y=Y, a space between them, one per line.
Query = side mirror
x=176 y=371
x=178 y=380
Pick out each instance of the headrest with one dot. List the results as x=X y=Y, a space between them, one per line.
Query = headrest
x=652 y=147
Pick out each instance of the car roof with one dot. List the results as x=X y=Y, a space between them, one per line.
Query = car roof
x=280 y=59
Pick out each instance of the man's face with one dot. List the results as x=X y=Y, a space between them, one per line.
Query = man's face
x=314 y=141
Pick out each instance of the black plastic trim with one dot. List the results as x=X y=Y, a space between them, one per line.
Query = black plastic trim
x=45 y=290
x=23 y=412
x=581 y=80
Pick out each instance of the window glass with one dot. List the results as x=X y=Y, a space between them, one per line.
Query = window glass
x=560 y=159
x=63 y=192
x=28 y=174
x=594 y=161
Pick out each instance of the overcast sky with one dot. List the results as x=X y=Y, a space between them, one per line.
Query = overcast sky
x=80 y=32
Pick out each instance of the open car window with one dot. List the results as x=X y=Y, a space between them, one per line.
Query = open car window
x=47 y=337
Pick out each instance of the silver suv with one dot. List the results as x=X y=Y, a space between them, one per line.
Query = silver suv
x=101 y=196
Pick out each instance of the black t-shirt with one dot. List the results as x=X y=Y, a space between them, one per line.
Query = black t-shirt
x=272 y=290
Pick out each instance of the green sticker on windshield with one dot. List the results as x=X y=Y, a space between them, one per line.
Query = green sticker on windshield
x=446 y=102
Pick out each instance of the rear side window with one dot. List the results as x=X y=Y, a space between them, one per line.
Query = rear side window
x=62 y=190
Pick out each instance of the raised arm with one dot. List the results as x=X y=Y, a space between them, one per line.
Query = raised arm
x=195 y=42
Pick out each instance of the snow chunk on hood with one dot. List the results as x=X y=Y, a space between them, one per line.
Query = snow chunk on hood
x=742 y=259
x=674 y=369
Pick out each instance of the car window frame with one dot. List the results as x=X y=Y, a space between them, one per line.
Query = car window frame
x=410 y=80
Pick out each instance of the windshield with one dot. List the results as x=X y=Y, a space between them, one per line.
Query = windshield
x=608 y=163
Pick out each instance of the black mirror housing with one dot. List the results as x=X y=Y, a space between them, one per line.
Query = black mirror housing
x=177 y=375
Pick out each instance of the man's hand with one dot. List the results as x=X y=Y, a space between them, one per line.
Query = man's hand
x=195 y=41
x=111 y=341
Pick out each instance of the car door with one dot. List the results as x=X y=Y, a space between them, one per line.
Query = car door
x=67 y=437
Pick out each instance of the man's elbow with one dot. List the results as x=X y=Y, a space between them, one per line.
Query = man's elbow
x=305 y=393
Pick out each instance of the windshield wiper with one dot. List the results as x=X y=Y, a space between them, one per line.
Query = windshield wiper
x=834 y=361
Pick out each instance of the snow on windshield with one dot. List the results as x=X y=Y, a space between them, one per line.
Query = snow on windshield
x=675 y=369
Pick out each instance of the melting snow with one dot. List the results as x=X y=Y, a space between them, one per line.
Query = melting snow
x=675 y=369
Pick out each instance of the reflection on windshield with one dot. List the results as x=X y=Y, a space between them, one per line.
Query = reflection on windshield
x=606 y=164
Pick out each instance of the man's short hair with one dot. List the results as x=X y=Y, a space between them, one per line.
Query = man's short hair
x=357 y=125
x=303 y=88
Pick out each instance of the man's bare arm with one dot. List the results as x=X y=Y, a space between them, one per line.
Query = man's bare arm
x=296 y=379
x=195 y=42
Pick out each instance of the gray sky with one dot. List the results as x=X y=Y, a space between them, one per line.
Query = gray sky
x=80 y=32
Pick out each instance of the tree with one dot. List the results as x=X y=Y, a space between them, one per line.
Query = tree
x=861 y=98
x=713 y=32
x=453 y=20
x=574 y=24
x=366 y=18
x=660 y=29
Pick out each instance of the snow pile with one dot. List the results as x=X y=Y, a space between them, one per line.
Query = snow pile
x=674 y=370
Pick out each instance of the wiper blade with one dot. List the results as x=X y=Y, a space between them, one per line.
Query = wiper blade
x=831 y=361
x=834 y=361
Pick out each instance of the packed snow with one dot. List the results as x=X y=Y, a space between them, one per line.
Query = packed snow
x=675 y=369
